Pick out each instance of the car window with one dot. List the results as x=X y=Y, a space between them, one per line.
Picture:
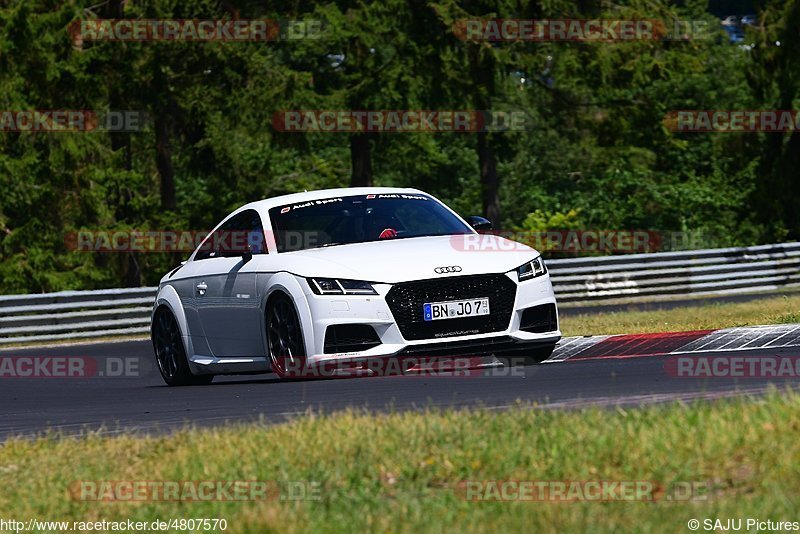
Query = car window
x=417 y=216
x=234 y=236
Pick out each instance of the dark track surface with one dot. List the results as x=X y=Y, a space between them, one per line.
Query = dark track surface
x=144 y=403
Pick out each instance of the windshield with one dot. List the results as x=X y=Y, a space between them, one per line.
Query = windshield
x=359 y=219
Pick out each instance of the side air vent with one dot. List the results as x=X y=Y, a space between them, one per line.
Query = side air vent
x=350 y=338
x=539 y=319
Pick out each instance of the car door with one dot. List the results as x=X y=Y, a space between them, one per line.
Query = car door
x=184 y=281
x=225 y=290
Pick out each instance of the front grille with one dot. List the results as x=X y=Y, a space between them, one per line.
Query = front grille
x=350 y=338
x=539 y=319
x=406 y=300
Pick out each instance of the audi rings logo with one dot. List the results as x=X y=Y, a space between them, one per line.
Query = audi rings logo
x=448 y=269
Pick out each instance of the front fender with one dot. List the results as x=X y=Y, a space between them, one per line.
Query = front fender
x=291 y=286
x=167 y=296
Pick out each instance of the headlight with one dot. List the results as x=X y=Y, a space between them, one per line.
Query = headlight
x=532 y=269
x=338 y=286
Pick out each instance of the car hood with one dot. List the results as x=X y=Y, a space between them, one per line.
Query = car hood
x=392 y=261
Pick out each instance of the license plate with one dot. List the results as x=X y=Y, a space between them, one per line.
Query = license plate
x=434 y=311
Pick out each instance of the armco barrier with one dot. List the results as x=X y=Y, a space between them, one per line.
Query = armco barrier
x=652 y=277
x=592 y=280
x=75 y=314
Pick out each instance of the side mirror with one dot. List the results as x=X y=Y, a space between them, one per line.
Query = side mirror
x=247 y=254
x=479 y=223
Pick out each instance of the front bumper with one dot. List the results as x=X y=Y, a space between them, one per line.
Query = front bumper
x=375 y=311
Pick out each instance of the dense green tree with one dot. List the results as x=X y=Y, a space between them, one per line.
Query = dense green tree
x=597 y=153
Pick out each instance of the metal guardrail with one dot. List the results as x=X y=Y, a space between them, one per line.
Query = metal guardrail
x=593 y=280
x=665 y=275
x=75 y=314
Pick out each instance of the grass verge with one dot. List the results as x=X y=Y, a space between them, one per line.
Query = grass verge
x=776 y=310
x=397 y=472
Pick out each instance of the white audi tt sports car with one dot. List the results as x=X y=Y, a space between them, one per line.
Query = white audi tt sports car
x=314 y=279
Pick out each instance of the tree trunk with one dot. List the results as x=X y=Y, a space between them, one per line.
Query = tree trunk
x=788 y=174
x=164 y=109
x=132 y=274
x=164 y=163
x=360 y=160
x=482 y=67
x=490 y=182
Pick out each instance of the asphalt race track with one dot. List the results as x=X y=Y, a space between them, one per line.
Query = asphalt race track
x=144 y=403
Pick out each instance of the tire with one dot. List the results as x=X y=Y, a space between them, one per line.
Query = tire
x=170 y=354
x=285 y=346
x=528 y=356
